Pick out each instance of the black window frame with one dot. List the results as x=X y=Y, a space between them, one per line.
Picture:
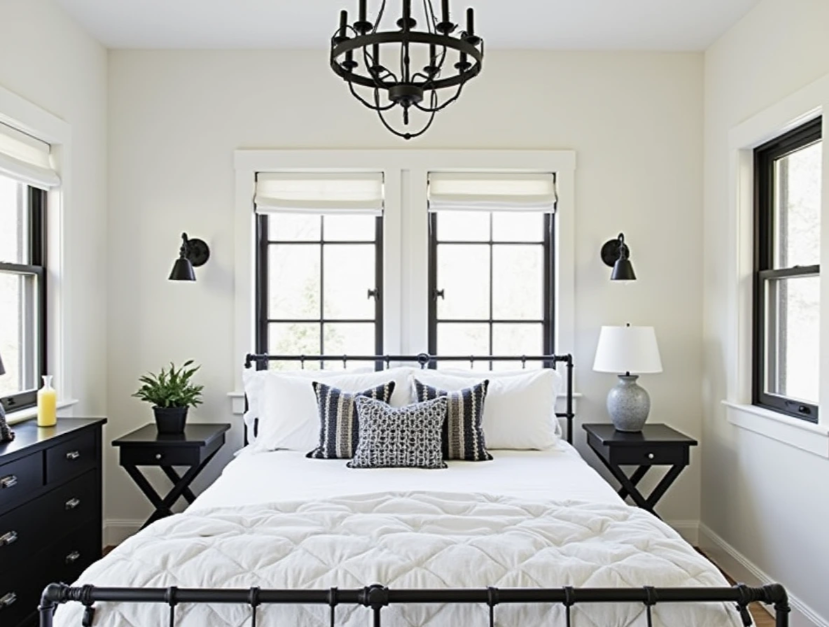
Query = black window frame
x=765 y=158
x=35 y=266
x=549 y=304
x=263 y=244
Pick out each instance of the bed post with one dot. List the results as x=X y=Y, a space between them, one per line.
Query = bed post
x=570 y=414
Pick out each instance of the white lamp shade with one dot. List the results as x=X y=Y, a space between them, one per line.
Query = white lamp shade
x=627 y=349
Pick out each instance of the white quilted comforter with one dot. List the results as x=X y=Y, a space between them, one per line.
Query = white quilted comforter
x=411 y=540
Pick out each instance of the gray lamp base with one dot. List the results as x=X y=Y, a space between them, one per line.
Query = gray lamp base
x=628 y=404
x=6 y=434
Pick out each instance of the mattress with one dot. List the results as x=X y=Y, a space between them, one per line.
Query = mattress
x=556 y=474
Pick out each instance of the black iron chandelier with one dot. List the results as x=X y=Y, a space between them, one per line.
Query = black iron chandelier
x=445 y=60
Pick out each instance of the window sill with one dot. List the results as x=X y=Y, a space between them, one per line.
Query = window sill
x=23 y=415
x=800 y=434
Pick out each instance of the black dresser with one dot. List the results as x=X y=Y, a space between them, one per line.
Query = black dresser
x=50 y=511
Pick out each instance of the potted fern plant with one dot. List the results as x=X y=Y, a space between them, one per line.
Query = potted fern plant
x=171 y=393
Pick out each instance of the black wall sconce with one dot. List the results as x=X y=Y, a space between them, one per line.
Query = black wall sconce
x=193 y=253
x=616 y=254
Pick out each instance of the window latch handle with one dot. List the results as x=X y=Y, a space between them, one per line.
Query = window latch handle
x=439 y=294
x=800 y=409
x=375 y=294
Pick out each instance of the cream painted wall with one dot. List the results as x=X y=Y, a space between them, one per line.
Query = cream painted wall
x=635 y=121
x=767 y=500
x=47 y=59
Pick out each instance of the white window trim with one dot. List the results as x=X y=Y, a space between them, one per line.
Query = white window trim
x=802 y=106
x=31 y=119
x=405 y=259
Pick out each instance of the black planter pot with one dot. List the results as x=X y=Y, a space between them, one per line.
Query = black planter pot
x=170 y=419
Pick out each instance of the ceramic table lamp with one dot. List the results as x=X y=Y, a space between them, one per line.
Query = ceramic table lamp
x=6 y=434
x=628 y=352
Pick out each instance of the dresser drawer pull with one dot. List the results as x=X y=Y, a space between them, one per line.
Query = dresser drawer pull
x=73 y=455
x=7 y=600
x=650 y=456
x=8 y=538
x=73 y=504
x=8 y=482
x=159 y=455
x=73 y=557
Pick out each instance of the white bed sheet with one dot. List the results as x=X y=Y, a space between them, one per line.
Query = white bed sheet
x=557 y=474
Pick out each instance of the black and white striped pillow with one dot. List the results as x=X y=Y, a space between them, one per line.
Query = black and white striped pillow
x=339 y=423
x=463 y=433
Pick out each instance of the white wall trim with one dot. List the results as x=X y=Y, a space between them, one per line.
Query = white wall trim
x=740 y=568
x=64 y=411
x=804 y=435
x=791 y=112
x=405 y=258
x=37 y=122
x=117 y=530
x=688 y=529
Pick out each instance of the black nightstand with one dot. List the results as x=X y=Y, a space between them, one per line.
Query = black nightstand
x=147 y=447
x=655 y=445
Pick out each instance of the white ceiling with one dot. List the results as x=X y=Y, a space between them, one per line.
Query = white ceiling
x=553 y=24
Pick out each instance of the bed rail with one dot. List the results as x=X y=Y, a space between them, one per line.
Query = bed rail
x=424 y=360
x=377 y=597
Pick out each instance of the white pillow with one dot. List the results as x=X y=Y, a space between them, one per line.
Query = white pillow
x=254 y=385
x=288 y=415
x=519 y=411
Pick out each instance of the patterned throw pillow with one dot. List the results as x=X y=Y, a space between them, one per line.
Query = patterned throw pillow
x=339 y=431
x=399 y=437
x=463 y=433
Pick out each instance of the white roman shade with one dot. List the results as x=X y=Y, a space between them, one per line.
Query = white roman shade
x=301 y=192
x=492 y=191
x=26 y=159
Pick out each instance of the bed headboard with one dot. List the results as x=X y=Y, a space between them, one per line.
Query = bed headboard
x=424 y=360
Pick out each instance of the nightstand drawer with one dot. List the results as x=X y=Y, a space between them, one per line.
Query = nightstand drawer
x=649 y=456
x=71 y=458
x=19 y=479
x=160 y=456
x=74 y=503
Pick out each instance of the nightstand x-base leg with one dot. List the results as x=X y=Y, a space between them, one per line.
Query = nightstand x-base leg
x=629 y=484
x=181 y=487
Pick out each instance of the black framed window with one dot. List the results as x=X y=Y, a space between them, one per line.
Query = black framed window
x=318 y=289
x=492 y=283
x=22 y=292
x=788 y=174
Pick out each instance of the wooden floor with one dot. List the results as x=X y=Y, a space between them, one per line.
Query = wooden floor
x=761 y=617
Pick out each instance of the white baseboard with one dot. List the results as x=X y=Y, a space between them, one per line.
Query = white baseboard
x=688 y=529
x=117 y=530
x=740 y=568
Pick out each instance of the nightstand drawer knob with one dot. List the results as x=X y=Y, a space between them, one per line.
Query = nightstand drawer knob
x=73 y=455
x=73 y=504
x=7 y=600
x=8 y=538
x=650 y=455
x=73 y=557
x=8 y=482
x=159 y=455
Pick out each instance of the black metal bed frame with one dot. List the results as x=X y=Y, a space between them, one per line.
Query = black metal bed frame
x=376 y=597
x=424 y=359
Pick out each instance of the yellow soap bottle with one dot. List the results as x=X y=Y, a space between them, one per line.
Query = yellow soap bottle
x=47 y=404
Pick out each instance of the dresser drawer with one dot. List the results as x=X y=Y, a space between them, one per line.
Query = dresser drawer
x=71 y=458
x=158 y=456
x=649 y=456
x=21 y=531
x=19 y=479
x=74 y=503
x=19 y=598
x=73 y=554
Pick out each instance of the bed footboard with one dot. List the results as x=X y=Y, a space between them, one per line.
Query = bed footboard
x=376 y=597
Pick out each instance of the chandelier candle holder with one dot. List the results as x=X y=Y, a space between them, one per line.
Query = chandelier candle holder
x=433 y=66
